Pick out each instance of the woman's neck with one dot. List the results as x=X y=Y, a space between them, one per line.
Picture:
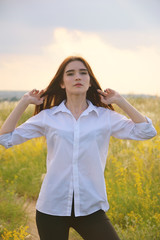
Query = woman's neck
x=76 y=105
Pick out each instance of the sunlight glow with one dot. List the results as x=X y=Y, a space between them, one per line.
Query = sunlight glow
x=125 y=70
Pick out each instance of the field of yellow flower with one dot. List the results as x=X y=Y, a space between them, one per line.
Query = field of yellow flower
x=132 y=177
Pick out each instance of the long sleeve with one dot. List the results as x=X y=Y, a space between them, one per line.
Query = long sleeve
x=124 y=128
x=32 y=128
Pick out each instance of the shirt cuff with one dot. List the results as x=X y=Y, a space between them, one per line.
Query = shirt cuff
x=146 y=128
x=144 y=125
x=5 y=140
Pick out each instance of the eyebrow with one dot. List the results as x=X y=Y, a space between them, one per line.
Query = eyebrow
x=72 y=70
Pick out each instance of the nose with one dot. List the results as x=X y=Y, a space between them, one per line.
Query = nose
x=77 y=76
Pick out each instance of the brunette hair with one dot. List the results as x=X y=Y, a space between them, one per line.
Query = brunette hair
x=54 y=94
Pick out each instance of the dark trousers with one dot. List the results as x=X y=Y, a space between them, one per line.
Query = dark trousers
x=95 y=226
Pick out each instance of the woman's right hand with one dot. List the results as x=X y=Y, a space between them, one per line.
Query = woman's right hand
x=34 y=97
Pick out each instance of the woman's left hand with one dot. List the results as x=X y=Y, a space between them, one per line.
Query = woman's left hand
x=109 y=96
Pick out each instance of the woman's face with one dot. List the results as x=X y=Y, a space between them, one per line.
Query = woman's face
x=76 y=79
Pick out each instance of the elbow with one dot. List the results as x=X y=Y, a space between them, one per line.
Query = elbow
x=5 y=140
x=151 y=134
x=5 y=145
x=154 y=133
x=145 y=135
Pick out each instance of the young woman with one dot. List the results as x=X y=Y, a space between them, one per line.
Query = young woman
x=77 y=119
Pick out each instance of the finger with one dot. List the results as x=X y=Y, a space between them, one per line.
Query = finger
x=40 y=92
x=101 y=98
x=33 y=90
x=108 y=90
x=32 y=93
x=104 y=100
x=102 y=93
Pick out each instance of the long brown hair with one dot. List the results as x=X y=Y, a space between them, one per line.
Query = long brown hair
x=54 y=94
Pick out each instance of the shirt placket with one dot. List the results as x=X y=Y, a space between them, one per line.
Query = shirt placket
x=75 y=168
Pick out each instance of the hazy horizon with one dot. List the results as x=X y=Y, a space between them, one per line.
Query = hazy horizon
x=18 y=93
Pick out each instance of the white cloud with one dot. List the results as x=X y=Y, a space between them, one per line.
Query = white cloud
x=125 y=70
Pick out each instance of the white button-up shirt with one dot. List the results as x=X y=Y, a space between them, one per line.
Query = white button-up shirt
x=77 y=152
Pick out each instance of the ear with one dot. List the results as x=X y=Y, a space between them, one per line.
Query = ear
x=62 y=85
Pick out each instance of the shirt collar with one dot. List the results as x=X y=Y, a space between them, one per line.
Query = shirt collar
x=62 y=108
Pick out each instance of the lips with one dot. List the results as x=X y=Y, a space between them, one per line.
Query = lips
x=78 y=85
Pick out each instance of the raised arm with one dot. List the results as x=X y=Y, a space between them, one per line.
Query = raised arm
x=110 y=96
x=32 y=97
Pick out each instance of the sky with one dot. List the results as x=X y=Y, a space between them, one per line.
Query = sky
x=119 y=38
